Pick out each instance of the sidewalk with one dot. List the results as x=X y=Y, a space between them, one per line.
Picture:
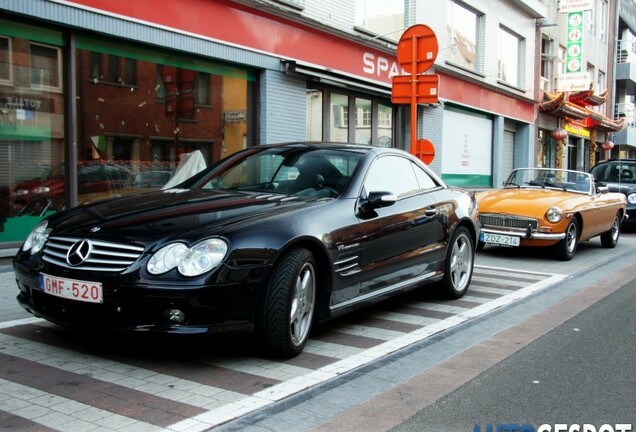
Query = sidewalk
x=9 y=308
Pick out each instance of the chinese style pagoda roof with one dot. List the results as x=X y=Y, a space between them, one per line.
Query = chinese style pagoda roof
x=575 y=107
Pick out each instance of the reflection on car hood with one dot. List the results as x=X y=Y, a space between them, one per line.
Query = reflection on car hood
x=173 y=211
x=529 y=202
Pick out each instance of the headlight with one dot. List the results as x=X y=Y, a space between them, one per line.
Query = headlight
x=167 y=258
x=554 y=214
x=631 y=198
x=37 y=237
x=194 y=261
x=19 y=192
x=42 y=189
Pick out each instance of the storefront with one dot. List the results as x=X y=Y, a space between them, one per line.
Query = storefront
x=578 y=133
x=108 y=100
x=115 y=118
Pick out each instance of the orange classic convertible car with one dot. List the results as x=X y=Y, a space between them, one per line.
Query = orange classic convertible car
x=550 y=207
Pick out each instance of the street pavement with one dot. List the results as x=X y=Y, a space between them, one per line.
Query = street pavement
x=582 y=372
x=378 y=394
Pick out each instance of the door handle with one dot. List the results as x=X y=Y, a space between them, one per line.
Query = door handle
x=430 y=211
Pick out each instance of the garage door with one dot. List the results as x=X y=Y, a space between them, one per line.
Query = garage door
x=508 y=154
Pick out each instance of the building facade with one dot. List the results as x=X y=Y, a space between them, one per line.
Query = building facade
x=625 y=80
x=575 y=121
x=101 y=98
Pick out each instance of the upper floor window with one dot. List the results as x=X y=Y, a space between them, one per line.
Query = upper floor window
x=510 y=54
x=602 y=19
x=118 y=70
x=601 y=85
x=202 y=89
x=463 y=36
x=597 y=18
x=559 y=65
x=46 y=66
x=5 y=59
x=548 y=60
x=385 y=18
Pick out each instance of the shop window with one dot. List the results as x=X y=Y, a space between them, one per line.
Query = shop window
x=5 y=60
x=510 y=58
x=32 y=130
x=314 y=114
x=192 y=107
x=381 y=17
x=363 y=121
x=348 y=118
x=339 y=131
x=463 y=27
x=46 y=66
x=385 y=125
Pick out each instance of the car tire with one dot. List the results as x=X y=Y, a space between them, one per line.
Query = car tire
x=566 y=248
x=458 y=265
x=286 y=312
x=609 y=239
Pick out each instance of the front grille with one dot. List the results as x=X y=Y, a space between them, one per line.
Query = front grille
x=507 y=221
x=104 y=256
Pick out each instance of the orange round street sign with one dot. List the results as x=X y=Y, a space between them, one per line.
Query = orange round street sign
x=425 y=51
x=424 y=151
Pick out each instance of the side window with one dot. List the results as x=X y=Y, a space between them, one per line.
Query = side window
x=392 y=174
x=423 y=179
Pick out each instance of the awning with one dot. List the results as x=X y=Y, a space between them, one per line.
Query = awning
x=339 y=79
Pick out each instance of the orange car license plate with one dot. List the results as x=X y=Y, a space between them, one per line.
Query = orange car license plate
x=72 y=289
x=500 y=239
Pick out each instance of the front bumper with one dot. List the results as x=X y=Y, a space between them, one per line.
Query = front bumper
x=145 y=308
x=525 y=235
x=630 y=216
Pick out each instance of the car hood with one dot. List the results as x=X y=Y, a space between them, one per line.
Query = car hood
x=173 y=212
x=527 y=202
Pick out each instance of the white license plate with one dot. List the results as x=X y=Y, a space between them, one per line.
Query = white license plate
x=500 y=239
x=72 y=289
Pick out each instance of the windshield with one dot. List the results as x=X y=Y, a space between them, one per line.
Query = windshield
x=617 y=172
x=550 y=178
x=302 y=171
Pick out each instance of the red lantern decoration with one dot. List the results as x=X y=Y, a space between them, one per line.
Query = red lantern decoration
x=559 y=134
x=607 y=145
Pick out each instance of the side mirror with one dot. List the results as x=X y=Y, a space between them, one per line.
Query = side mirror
x=378 y=199
x=602 y=189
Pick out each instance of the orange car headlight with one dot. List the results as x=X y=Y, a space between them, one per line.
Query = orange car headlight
x=554 y=214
